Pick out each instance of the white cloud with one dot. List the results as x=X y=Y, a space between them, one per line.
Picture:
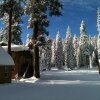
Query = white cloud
x=86 y=4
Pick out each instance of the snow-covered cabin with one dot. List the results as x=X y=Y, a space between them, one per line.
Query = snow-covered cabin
x=6 y=64
x=23 y=60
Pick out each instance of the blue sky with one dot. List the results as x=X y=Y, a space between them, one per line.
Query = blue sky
x=74 y=12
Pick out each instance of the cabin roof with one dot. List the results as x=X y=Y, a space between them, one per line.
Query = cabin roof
x=5 y=58
x=16 y=48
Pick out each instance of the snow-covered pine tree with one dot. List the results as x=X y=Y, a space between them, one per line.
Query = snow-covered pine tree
x=64 y=51
x=78 y=57
x=16 y=34
x=59 y=52
x=69 y=50
x=76 y=45
x=45 y=55
x=11 y=12
x=27 y=40
x=16 y=27
x=93 y=59
x=42 y=60
x=38 y=10
x=3 y=35
x=63 y=43
x=85 y=48
x=48 y=53
x=94 y=42
x=53 y=54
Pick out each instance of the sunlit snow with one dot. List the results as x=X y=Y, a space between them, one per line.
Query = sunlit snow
x=55 y=85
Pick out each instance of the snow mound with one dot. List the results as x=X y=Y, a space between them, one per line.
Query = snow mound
x=26 y=80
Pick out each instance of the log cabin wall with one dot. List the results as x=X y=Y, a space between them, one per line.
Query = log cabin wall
x=1 y=75
x=22 y=59
x=18 y=58
x=5 y=74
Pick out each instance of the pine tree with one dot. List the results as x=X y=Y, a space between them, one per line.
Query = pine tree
x=27 y=40
x=38 y=12
x=16 y=34
x=94 y=42
x=3 y=35
x=59 y=52
x=75 y=45
x=85 y=48
x=16 y=28
x=11 y=11
x=48 y=53
x=69 y=50
x=93 y=59
x=78 y=57
x=53 y=54
x=42 y=60
x=45 y=55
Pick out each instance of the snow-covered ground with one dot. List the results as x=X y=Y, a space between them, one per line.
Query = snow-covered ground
x=55 y=85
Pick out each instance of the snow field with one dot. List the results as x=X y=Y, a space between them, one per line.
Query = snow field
x=55 y=85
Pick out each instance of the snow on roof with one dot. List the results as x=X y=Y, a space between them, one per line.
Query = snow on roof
x=17 y=48
x=3 y=43
x=5 y=58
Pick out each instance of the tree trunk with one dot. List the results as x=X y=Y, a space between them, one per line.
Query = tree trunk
x=36 y=51
x=36 y=62
x=9 y=33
